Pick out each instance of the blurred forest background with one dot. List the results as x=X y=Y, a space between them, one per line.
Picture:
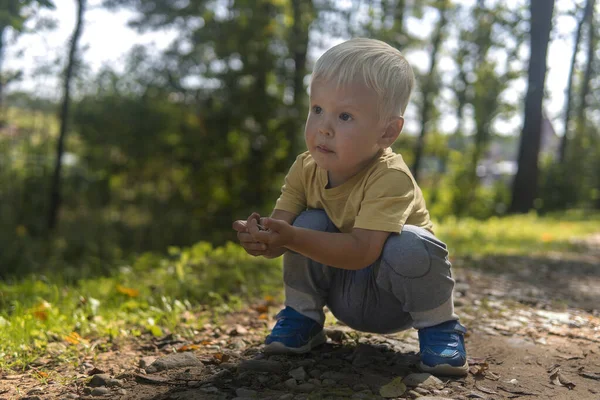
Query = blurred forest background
x=170 y=148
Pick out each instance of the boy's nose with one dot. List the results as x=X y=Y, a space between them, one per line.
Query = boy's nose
x=326 y=130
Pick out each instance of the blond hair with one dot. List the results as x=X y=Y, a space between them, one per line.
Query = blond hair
x=372 y=62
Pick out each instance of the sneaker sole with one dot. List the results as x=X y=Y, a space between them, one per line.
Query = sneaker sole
x=280 y=348
x=445 y=369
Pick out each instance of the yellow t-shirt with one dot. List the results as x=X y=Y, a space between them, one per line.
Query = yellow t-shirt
x=383 y=196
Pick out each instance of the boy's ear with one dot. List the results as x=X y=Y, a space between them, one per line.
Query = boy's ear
x=391 y=132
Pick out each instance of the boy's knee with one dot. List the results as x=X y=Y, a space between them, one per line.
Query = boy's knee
x=316 y=220
x=407 y=254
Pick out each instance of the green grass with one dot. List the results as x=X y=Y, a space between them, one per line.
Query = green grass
x=44 y=315
x=155 y=295
x=517 y=235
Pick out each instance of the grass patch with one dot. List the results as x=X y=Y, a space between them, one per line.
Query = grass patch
x=45 y=314
x=517 y=235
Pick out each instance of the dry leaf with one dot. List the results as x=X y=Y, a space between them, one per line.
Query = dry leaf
x=485 y=390
x=263 y=308
x=188 y=347
x=41 y=311
x=95 y=371
x=221 y=357
x=263 y=317
x=270 y=300
x=556 y=378
x=74 y=338
x=128 y=291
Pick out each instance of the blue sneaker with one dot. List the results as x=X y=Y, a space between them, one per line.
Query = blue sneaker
x=443 y=349
x=294 y=333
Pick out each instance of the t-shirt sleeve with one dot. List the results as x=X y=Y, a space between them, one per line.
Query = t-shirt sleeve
x=293 y=194
x=387 y=203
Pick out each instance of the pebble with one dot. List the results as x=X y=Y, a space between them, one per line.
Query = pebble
x=305 y=387
x=299 y=374
x=114 y=382
x=71 y=396
x=413 y=395
x=172 y=361
x=315 y=382
x=100 y=391
x=309 y=362
x=315 y=373
x=99 y=380
x=122 y=392
x=360 y=386
x=146 y=361
x=287 y=396
x=423 y=380
x=291 y=383
x=243 y=392
x=261 y=366
x=328 y=382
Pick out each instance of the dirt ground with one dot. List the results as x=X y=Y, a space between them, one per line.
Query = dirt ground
x=534 y=333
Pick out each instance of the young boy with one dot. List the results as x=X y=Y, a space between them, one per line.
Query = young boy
x=351 y=221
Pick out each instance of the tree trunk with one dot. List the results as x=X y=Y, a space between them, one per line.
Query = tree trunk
x=588 y=11
x=55 y=190
x=299 y=48
x=2 y=30
x=428 y=88
x=526 y=181
x=589 y=70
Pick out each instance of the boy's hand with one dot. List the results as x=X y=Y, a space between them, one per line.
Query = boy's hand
x=275 y=232
x=252 y=246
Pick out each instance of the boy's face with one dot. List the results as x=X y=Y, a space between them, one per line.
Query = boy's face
x=343 y=130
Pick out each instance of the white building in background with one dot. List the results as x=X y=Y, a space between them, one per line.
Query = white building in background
x=501 y=159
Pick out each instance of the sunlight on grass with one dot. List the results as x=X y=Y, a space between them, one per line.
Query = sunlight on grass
x=156 y=295
x=517 y=235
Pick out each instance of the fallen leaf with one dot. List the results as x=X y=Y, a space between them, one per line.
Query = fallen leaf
x=95 y=371
x=263 y=317
x=41 y=311
x=395 y=388
x=222 y=357
x=263 y=308
x=590 y=376
x=485 y=390
x=128 y=291
x=547 y=237
x=188 y=347
x=556 y=378
x=516 y=390
x=74 y=338
x=41 y=374
x=270 y=300
x=478 y=369
x=151 y=379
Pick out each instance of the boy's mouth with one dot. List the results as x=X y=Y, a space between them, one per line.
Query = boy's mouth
x=324 y=149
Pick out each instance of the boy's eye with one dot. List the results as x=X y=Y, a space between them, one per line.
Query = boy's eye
x=317 y=109
x=345 y=117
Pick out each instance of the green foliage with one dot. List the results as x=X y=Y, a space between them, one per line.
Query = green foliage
x=154 y=295
x=527 y=234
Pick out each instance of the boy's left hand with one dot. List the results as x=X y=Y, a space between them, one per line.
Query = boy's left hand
x=278 y=233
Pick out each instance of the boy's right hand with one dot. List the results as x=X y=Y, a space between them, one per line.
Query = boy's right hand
x=251 y=246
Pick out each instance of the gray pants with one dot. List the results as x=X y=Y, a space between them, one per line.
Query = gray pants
x=410 y=285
